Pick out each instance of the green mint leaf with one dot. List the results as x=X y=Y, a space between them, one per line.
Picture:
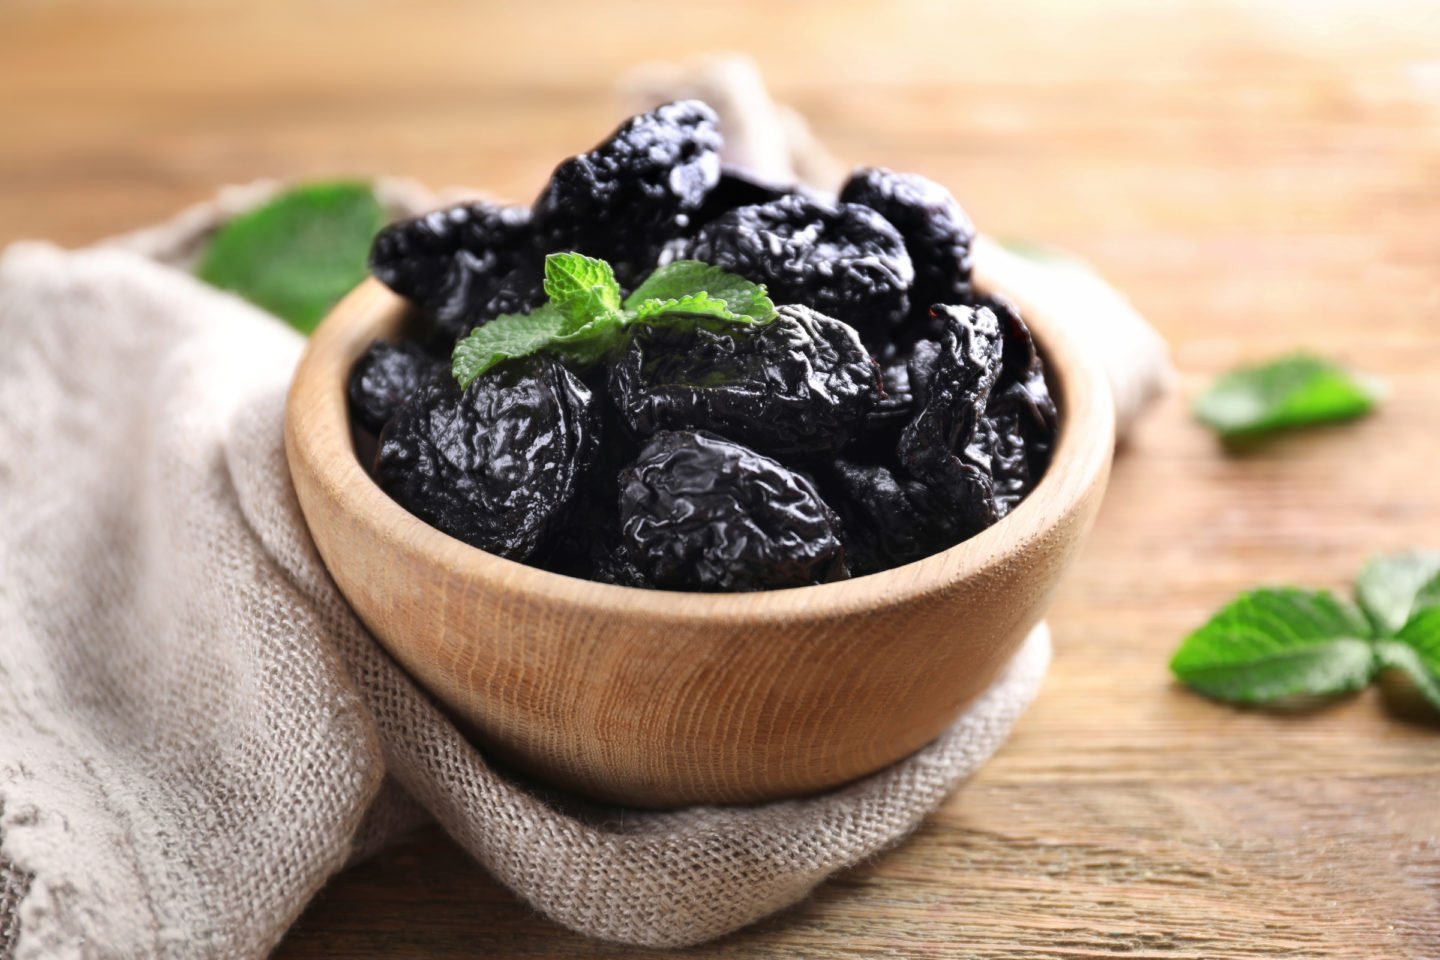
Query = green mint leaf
x=1427 y=596
x=1394 y=586
x=1292 y=391
x=298 y=254
x=504 y=338
x=696 y=305
x=1416 y=650
x=589 y=343
x=585 y=319
x=1278 y=642
x=580 y=287
x=679 y=283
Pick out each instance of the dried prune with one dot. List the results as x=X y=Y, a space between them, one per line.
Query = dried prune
x=1003 y=445
x=498 y=465
x=896 y=407
x=624 y=199
x=698 y=512
x=846 y=261
x=937 y=233
x=903 y=377
x=800 y=384
x=519 y=291
x=451 y=262
x=589 y=544
x=887 y=518
x=921 y=366
x=737 y=187
x=1020 y=415
x=944 y=445
x=385 y=376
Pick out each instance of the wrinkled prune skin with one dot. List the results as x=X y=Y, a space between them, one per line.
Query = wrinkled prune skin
x=801 y=384
x=1004 y=447
x=887 y=518
x=451 y=262
x=499 y=465
x=589 y=546
x=642 y=187
x=1020 y=418
x=845 y=261
x=938 y=234
x=698 y=512
x=888 y=416
x=384 y=378
x=921 y=366
x=519 y=291
x=896 y=408
x=738 y=187
x=944 y=446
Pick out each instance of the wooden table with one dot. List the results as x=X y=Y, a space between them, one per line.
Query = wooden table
x=1256 y=180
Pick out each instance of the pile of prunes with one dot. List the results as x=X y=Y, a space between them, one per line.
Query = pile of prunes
x=888 y=412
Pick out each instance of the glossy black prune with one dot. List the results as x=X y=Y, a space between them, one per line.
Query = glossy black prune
x=589 y=546
x=894 y=410
x=451 y=262
x=903 y=379
x=846 y=261
x=499 y=465
x=800 y=384
x=385 y=376
x=519 y=291
x=1020 y=417
x=698 y=512
x=944 y=445
x=737 y=187
x=937 y=233
x=887 y=518
x=640 y=188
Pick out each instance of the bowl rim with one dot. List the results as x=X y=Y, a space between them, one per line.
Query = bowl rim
x=318 y=432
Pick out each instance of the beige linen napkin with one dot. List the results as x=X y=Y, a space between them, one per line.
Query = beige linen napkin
x=195 y=731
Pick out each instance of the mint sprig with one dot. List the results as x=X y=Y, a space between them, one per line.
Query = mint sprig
x=1294 y=391
x=1279 y=642
x=585 y=318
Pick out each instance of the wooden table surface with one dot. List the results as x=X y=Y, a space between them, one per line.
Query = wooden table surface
x=1255 y=179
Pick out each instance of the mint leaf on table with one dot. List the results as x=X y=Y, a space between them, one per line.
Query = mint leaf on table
x=585 y=318
x=298 y=254
x=1415 y=650
x=1292 y=391
x=1390 y=588
x=1279 y=642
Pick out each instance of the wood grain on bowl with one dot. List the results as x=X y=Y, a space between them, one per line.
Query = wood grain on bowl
x=654 y=698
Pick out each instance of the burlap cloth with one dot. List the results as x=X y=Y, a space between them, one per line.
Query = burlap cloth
x=195 y=731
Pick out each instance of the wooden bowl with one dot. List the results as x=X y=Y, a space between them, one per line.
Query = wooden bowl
x=656 y=699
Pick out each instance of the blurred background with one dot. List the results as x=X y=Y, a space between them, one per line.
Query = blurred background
x=1256 y=177
x=1223 y=158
